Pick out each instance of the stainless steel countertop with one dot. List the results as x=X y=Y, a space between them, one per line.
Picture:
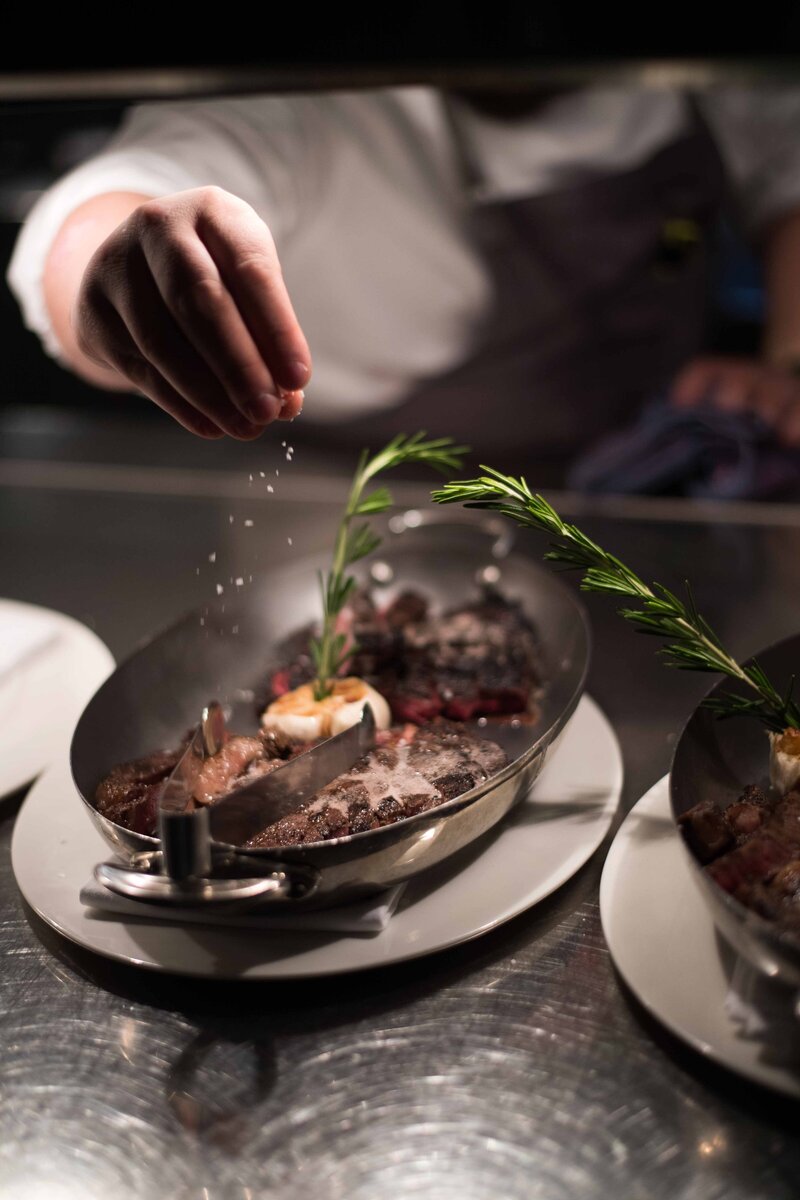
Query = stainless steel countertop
x=514 y=1066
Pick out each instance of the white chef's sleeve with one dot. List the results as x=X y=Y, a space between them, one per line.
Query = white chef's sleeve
x=758 y=133
x=255 y=147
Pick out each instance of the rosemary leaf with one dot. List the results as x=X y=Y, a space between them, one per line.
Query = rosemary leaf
x=692 y=645
x=330 y=651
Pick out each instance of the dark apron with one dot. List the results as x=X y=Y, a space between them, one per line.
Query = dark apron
x=600 y=294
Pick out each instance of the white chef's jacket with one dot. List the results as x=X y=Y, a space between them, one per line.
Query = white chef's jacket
x=366 y=198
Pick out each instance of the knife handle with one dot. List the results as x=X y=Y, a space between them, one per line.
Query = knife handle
x=185 y=844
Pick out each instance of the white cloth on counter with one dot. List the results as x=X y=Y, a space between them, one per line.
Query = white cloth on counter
x=366 y=197
x=366 y=917
x=765 y=1010
x=22 y=635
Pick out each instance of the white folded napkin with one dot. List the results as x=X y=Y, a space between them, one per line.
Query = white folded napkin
x=764 y=1010
x=22 y=634
x=366 y=917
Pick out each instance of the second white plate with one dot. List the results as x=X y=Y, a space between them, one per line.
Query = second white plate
x=43 y=696
x=664 y=943
x=540 y=845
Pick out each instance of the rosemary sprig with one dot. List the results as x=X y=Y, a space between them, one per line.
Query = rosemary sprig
x=356 y=541
x=691 y=645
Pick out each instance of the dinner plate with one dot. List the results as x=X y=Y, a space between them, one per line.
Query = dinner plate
x=543 y=841
x=664 y=943
x=42 y=696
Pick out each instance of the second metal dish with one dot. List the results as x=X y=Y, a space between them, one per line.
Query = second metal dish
x=715 y=760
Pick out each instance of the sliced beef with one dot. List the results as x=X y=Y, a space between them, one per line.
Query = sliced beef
x=479 y=659
x=406 y=775
x=752 y=850
x=129 y=795
x=706 y=831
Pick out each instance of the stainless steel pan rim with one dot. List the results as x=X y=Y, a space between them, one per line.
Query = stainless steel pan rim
x=722 y=757
x=566 y=666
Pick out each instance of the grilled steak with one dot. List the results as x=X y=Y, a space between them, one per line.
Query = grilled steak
x=477 y=660
x=410 y=771
x=752 y=850
x=128 y=795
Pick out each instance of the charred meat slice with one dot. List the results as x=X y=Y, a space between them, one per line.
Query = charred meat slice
x=752 y=850
x=406 y=775
x=128 y=796
x=476 y=660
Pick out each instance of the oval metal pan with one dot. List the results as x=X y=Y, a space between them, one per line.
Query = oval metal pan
x=156 y=695
x=715 y=760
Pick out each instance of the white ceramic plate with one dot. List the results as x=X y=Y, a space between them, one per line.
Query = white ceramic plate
x=664 y=943
x=542 y=843
x=43 y=696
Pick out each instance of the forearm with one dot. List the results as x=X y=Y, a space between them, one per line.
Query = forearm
x=80 y=235
x=782 y=278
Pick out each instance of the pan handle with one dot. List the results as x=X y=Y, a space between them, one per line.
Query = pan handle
x=145 y=881
x=501 y=532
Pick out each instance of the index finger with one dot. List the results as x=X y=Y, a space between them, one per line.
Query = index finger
x=248 y=263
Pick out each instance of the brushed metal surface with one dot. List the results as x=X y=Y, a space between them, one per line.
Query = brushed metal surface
x=514 y=1067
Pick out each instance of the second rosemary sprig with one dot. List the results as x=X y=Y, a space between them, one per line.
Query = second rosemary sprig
x=691 y=642
x=355 y=540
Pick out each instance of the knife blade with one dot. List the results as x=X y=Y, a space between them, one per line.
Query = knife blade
x=240 y=815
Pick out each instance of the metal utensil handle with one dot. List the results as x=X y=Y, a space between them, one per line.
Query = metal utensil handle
x=185 y=843
x=151 y=885
x=501 y=532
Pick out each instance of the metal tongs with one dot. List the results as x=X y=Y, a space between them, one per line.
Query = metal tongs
x=199 y=860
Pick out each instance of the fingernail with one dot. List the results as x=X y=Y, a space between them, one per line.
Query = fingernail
x=298 y=373
x=264 y=408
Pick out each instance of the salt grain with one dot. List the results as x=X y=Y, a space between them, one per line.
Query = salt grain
x=270 y=488
x=220 y=589
x=212 y=557
x=239 y=581
x=248 y=524
x=289 y=540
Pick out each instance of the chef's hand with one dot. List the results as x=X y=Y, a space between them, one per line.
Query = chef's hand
x=743 y=385
x=181 y=298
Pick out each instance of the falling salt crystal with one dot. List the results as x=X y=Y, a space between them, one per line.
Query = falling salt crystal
x=220 y=589
x=250 y=578
x=230 y=519
x=277 y=472
x=248 y=524
x=212 y=557
x=261 y=473
x=284 y=445
x=289 y=540
x=250 y=477
x=235 y=629
x=197 y=571
x=270 y=488
x=239 y=581
x=202 y=620
x=482 y=721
